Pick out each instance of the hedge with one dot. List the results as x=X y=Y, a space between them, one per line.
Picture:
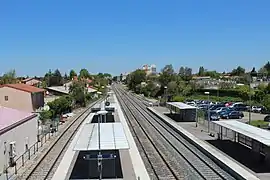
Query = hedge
x=219 y=92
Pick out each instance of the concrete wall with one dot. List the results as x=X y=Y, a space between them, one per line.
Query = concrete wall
x=22 y=134
x=37 y=100
x=21 y=100
x=17 y=99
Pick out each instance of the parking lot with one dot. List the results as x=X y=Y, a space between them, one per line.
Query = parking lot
x=254 y=116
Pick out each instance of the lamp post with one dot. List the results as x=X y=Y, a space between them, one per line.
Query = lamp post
x=208 y=111
x=249 y=113
x=165 y=94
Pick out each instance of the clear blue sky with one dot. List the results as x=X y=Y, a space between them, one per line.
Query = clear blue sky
x=117 y=36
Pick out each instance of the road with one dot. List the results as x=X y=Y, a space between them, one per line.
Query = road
x=254 y=116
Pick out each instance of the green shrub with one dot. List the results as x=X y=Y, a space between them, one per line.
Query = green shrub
x=179 y=98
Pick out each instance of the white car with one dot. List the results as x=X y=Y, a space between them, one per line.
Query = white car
x=220 y=109
x=256 y=109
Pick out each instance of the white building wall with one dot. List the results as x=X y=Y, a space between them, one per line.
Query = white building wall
x=22 y=134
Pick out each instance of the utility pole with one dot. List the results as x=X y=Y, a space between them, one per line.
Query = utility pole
x=208 y=111
x=249 y=113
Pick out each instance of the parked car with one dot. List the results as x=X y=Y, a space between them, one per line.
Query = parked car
x=265 y=111
x=226 y=111
x=256 y=109
x=216 y=106
x=219 y=109
x=267 y=118
x=212 y=115
x=239 y=107
x=227 y=104
x=203 y=106
x=232 y=115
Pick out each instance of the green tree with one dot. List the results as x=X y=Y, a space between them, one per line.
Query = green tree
x=244 y=92
x=266 y=101
x=181 y=72
x=107 y=75
x=84 y=74
x=45 y=115
x=114 y=78
x=60 y=105
x=212 y=74
x=259 y=95
x=72 y=74
x=56 y=79
x=267 y=67
x=9 y=77
x=167 y=75
x=66 y=77
x=53 y=79
x=172 y=88
x=239 y=71
x=201 y=71
x=136 y=78
x=77 y=91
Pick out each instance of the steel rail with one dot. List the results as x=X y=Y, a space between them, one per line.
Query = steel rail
x=196 y=159
x=43 y=169
x=160 y=169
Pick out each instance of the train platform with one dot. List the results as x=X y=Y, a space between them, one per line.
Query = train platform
x=112 y=144
x=199 y=139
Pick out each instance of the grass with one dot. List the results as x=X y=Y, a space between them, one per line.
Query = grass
x=259 y=123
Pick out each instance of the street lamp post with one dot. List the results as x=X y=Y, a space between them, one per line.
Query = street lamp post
x=165 y=94
x=249 y=113
x=208 y=111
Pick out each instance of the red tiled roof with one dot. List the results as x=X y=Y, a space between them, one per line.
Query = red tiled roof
x=27 y=79
x=23 y=87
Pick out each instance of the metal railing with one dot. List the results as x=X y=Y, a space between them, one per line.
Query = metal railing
x=21 y=160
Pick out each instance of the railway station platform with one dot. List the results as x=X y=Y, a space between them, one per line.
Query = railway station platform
x=223 y=160
x=109 y=143
x=240 y=140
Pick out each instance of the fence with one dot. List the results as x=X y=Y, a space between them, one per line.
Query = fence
x=27 y=155
x=213 y=127
x=30 y=153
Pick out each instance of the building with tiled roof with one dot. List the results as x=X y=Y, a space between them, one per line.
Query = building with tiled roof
x=32 y=82
x=22 y=97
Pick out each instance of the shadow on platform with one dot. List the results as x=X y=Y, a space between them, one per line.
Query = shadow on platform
x=88 y=169
x=109 y=118
x=242 y=154
x=179 y=117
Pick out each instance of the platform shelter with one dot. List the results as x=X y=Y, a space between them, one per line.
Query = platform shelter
x=181 y=111
x=255 y=138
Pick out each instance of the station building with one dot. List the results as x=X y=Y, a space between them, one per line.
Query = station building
x=18 y=132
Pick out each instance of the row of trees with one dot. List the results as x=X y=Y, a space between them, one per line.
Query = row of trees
x=181 y=84
x=78 y=97
x=55 y=78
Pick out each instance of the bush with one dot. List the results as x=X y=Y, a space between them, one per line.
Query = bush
x=179 y=98
x=44 y=115
x=60 y=105
x=219 y=92
x=259 y=123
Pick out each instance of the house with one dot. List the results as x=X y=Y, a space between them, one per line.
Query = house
x=32 y=82
x=22 y=97
x=18 y=132
x=64 y=90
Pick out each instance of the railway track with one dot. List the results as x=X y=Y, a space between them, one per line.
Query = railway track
x=167 y=154
x=47 y=165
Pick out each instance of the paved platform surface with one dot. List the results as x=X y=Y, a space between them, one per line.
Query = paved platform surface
x=216 y=154
x=138 y=165
x=42 y=149
x=131 y=162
